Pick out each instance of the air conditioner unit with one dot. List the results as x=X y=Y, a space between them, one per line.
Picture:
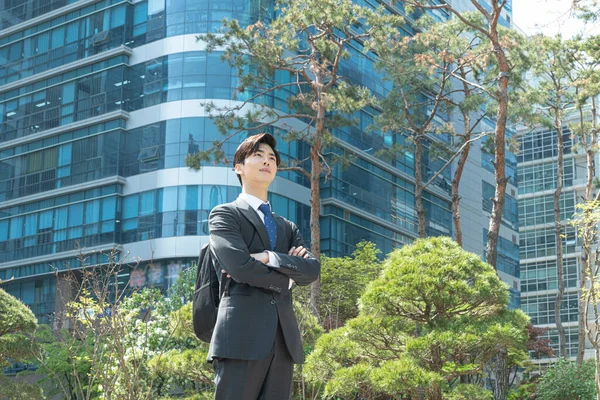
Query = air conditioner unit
x=99 y=37
x=148 y=154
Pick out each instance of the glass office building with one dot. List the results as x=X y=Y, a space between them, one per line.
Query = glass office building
x=100 y=102
x=537 y=171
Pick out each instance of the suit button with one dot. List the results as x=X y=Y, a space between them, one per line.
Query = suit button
x=273 y=302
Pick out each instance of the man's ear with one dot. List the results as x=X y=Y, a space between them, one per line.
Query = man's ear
x=238 y=169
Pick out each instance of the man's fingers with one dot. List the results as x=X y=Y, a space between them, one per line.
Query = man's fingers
x=298 y=250
x=225 y=272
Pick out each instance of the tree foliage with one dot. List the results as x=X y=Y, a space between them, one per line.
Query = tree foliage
x=435 y=313
x=124 y=343
x=343 y=280
x=17 y=327
x=565 y=380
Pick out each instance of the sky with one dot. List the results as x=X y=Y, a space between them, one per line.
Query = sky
x=549 y=17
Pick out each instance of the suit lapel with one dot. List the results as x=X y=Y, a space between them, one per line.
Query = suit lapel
x=253 y=217
x=282 y=239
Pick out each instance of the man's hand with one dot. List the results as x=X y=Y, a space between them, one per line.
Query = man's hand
x=299 y=251
x=262 y=257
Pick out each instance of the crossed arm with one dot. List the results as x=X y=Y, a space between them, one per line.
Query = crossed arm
x=232 y=253
x=298 y=264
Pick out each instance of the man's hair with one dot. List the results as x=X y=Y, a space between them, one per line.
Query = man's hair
x=251 y=145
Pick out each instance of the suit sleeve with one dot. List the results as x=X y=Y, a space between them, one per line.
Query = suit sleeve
x=301 y=270
x=232 y=253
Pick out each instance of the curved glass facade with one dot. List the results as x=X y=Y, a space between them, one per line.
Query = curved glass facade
x=109 y=24
x=100 y=217
x=105 y=150
x=81 y=137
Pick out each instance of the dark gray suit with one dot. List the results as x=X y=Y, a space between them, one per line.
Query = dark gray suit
x=259 y=305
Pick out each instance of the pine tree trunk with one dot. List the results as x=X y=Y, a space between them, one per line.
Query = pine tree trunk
x=315 y=209
x=558 y=236
x=462 y=161
x=583 y=309
x=420 y=209
x=491 y=250
x=456 y=208
x=501 y=371
x=436 y=364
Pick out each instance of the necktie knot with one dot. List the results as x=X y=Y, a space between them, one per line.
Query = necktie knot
x=265 y=208
x=269 y=221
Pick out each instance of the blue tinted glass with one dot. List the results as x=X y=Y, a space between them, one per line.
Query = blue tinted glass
x=155 y=6
x=30 y=224
x=43 y=42
x=75 y=214
x=212 y=196
x=16 y=227
x=109 y=208
x=279 y=204
x=15 y=51
x=58 y=37
x=169 y=199
x=3 y=230
x=147 y=203
x=191 y=202
x=140 y=13
x=117 y=17
x=72 y=32
x=68 y=93
x=45 y=219
x=28 y=292
x=60 y=220
x=130 y=207
x=28 y=48
x=92 y=211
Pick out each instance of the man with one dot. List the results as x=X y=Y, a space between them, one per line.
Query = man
x=256 y=339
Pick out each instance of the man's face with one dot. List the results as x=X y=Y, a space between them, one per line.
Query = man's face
x=259 y=168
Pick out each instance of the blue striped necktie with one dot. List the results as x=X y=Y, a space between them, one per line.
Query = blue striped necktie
x=265 y=208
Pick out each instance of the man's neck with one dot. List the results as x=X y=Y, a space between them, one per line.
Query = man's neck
x=256 y=192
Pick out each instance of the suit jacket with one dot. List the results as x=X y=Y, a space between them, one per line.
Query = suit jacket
x=259 y=296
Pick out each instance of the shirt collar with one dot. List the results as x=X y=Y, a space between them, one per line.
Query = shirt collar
x=254 y=201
